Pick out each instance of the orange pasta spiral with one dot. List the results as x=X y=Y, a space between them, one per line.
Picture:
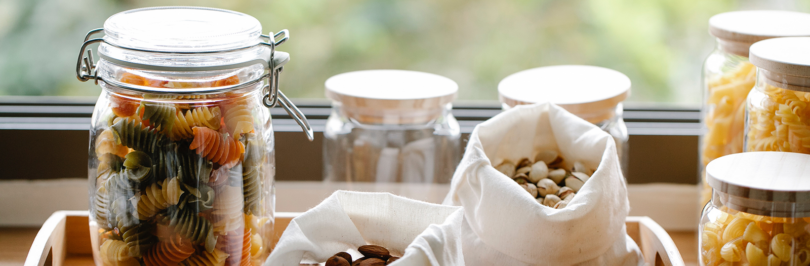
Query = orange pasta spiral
x=197 y=117
x=169 y=253
x=218 y=148
x=237 y=244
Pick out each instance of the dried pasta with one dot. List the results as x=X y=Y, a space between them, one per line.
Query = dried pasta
x=205 y=258
x=237 y=244
x=115 y=252
x=169 y=178
x=252 y=189
x=778 y=121
x=725 y=117
x=218 y=148
x=169 y=252
x=197 y=117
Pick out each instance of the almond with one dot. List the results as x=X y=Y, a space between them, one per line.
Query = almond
x=337 y=261
x=372 y=262
x=345 y=255
x=391 y=260
x=374 y=251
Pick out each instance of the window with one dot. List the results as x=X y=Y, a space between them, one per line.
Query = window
x=659 y=44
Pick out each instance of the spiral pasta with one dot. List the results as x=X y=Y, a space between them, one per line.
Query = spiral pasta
x=101 y=205
x=201 y=198
x=227 y=211
x=238 y=118
x=197 y=117
x=218 y=148
x=252 y=188
x=116 y=253
x=778 y=122
x=237 y=244
x=194 y=169
x=193 y=227
x=205 y=258
x=159 y=114
x=132 y=134
x=105 y=144
x=158 y=197
x=138 y=238
x=169 y=252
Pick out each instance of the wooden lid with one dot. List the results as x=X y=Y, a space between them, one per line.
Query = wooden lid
x=412 y=96
x=589 y=92
x=739 y=29
x=786 y=61
x=763 y=183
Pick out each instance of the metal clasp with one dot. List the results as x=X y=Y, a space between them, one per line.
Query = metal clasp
x=86 y=70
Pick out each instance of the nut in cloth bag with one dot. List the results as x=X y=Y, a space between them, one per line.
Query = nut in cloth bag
x=504 y=225
x=423 y=233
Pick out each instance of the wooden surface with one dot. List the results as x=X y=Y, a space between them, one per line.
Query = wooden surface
x=63 y=240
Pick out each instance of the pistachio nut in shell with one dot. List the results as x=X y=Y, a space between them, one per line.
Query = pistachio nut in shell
x=507 y=168
x=547 y=187
x=523 y=163
x=564 y=192
x=540 y=200
x=532 y=189
x=574 y=183
x=557 y=175
x=547 y=156
x=538 y=171
x=523 y=170
x=522 y=178
x=561 y=204
x=551 y=200
x=582 y=176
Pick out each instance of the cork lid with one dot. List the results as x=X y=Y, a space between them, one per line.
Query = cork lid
x=786 y=62
x=590 y=92
x=739 y=29
x=410 y=95
x=763 y=183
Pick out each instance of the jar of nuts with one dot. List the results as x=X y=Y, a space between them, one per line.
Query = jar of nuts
x=546 y=178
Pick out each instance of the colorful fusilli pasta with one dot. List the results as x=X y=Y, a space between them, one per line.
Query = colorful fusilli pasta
x=237 y=244
x=227 y=211
x=115 y=252
x=169 y=252
x=205 y=258
x=195 y=228
x=238 y=118
x=132 y=134
x=218 y=148
x=158 y=197
x=197 y=117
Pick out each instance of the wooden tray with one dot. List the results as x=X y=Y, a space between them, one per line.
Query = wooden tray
x=64 y=239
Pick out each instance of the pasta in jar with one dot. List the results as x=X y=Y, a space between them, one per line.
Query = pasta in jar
x=728 y=77
x=181 y=143
x=764 y=226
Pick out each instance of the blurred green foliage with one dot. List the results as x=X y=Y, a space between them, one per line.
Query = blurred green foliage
x=660 y=44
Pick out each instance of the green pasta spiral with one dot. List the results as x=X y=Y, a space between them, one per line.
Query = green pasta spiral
x=139 y=238
x=138 y=168
x=132 y=134
x=194 y=169
x=252 y=172
x=101 y=208
x=159 y=114
x=200 y=198
x=188 y=224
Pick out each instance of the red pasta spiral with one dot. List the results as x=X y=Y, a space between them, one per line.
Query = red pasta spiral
x=169 y=252
x=237 y=244
x=216 y=147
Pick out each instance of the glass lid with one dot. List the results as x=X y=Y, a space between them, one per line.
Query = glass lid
x=182 y=29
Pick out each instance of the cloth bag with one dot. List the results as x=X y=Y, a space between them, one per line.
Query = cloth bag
x=422 y=233
x=504 y=225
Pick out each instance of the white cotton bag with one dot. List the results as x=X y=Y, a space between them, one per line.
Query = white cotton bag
x=504 y=225
x=422 y=233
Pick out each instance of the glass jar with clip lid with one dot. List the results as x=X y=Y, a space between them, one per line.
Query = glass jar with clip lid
x=181 y=159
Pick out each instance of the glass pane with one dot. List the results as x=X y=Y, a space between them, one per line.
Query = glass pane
x=660 y=45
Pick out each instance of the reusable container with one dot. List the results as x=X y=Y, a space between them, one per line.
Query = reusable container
x=589 y=92
x=759 y=210
x=728 y=77
x=181 y=160
x=777 y=113
x=391 y=126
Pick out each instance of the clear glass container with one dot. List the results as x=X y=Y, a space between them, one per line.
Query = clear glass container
x=777 y=115
x=759 y=211
x=728 y=77
x=391 y=126
x=592 y=93
x=182 y=164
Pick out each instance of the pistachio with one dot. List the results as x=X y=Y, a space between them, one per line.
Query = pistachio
x=582 y=176
x=574 y=183
x=532 y=189
x=551 y=200
x=521 y=179
x=507 y=168
x=539 y=200
x=547 y=156
x=557 y=175
x=561 y=204
x=523 y=170
x=564 y=192
x=523 y=163
x=569 y=197
x=539 y=171
x=547 y=187
x=580 y=167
